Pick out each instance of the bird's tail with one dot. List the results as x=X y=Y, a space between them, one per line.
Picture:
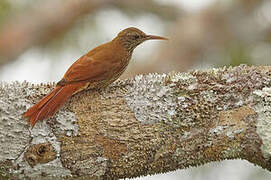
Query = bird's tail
x=49 y=105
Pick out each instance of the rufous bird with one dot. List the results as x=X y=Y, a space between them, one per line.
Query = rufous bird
x=98 y=68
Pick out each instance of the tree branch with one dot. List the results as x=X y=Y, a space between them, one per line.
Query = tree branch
x=146 y=125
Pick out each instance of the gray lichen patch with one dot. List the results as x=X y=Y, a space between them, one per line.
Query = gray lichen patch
x=152 y=99
x=51 y=170
x=188 y=99
x=65 y=123
x=217 y=90
x=264 y=119
x=14 y=136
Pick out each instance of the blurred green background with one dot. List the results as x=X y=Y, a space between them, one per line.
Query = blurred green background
x=40 y=39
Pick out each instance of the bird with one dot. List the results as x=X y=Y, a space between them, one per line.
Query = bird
x=97 y=69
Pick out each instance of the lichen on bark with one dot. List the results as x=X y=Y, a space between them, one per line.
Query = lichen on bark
x=146 y=125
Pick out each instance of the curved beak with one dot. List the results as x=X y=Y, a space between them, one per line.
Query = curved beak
x=149 y=37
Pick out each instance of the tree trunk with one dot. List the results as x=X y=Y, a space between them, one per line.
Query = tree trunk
x=146 y=125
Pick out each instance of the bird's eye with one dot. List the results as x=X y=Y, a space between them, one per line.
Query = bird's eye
x=136 y=36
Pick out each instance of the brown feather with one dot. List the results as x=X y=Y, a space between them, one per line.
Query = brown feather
x=50 y=104
x=99 y=64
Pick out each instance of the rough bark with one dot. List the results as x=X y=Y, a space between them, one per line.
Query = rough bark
x=146 y=125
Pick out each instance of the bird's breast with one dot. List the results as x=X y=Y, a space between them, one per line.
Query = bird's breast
x=119 y=69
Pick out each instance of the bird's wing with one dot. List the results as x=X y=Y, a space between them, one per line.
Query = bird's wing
x=86 y=69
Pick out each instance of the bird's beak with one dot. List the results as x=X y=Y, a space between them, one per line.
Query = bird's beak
x=148 y=37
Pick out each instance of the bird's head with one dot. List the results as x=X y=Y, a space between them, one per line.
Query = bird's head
x=131 y=37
